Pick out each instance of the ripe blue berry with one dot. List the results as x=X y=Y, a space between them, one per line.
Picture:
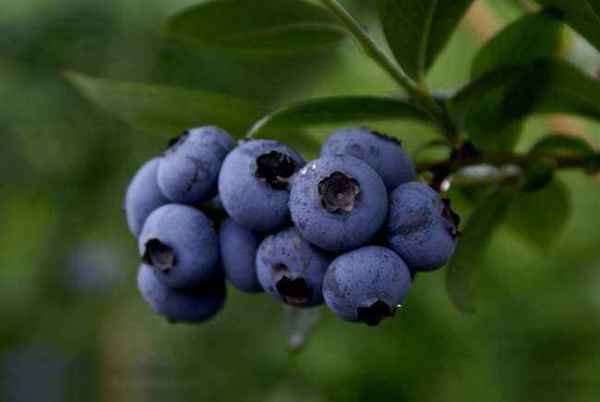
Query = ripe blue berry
x=238 y=256
x=184 y=305
x=422 y=228
x=181 y=244
x=190 y=168
x=338 y=203
x=291 y=269
x=143 y=196
x=383 y=153
x=366 y=285
x=93 y=269
x=253 y=184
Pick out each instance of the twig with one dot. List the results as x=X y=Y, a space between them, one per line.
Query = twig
x=499 y=159
x=419 y=94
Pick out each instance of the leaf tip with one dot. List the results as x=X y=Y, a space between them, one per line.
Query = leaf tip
x=460 y=297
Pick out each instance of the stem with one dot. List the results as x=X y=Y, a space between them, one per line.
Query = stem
x=430 y=105
x=419 y=94
x=370 y=47
x=499 y=168
x=489 y=175
x=451 y=166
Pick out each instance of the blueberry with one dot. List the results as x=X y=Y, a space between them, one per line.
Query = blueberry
x=190 y=168
x=143 y=196
x=291 y=269
x=214 y=210
x=238 y=255
x=181 y=244
x=93 y=269
x=254 y=181
x=338 y=203
x=422 y=228
x=383 y=153
x=366 y=285
x=184 y=305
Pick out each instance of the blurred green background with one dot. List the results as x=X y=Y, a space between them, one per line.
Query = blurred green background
x=73 y=326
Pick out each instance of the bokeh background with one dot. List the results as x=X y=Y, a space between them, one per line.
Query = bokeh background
x=73 y=327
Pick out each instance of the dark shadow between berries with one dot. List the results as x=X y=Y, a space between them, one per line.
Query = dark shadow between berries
x=159 y=255
x=372 y=315
x=276 y=169
x=338 y=192
x=294 y=292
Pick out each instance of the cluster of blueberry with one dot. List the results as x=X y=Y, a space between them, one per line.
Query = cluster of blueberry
x=349 y=229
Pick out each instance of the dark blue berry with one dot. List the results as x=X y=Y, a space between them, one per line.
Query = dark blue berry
x=143 y=196
x=421 y=227
x=238 y=256
x=366 y=285
x=179 y=242
x=384 y=154
x=184 y=305
x=291 y=269
x=338 y=203
x=190 y=168
x=254 y=184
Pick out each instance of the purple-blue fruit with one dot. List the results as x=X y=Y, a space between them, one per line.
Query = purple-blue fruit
x=383 y=153
x=338 y=203
x=366 y=285
x=181 y=305
x=93 y=269
x=422 y=228
x=254 y=184
x=291 y=269
x=143 y=196
x=238 y=256
x=179 y=242
x=189 y=170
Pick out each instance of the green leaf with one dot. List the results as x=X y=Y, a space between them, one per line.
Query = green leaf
x=418 y=30
x=334 y=110
x=541 y=216
x=266 y=26
x=466 y=100
x=163 y=109
x=164 y=60
x=506 y=95
x=582 y=15
x=553 y=86
x=532 y=37
x=539 y=172
x=483 y=128
x=592 y=164
x=477 y=109
x=562 y=145
x=472 y=246
x=267 y=77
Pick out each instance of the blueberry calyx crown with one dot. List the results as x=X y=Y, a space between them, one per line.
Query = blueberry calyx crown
x=276 y=169
x=372 y=315
x=452 y=217
x=176 y=142
x=338 y=192
x=386 y=137
x=294 y=292
x=159 y=255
